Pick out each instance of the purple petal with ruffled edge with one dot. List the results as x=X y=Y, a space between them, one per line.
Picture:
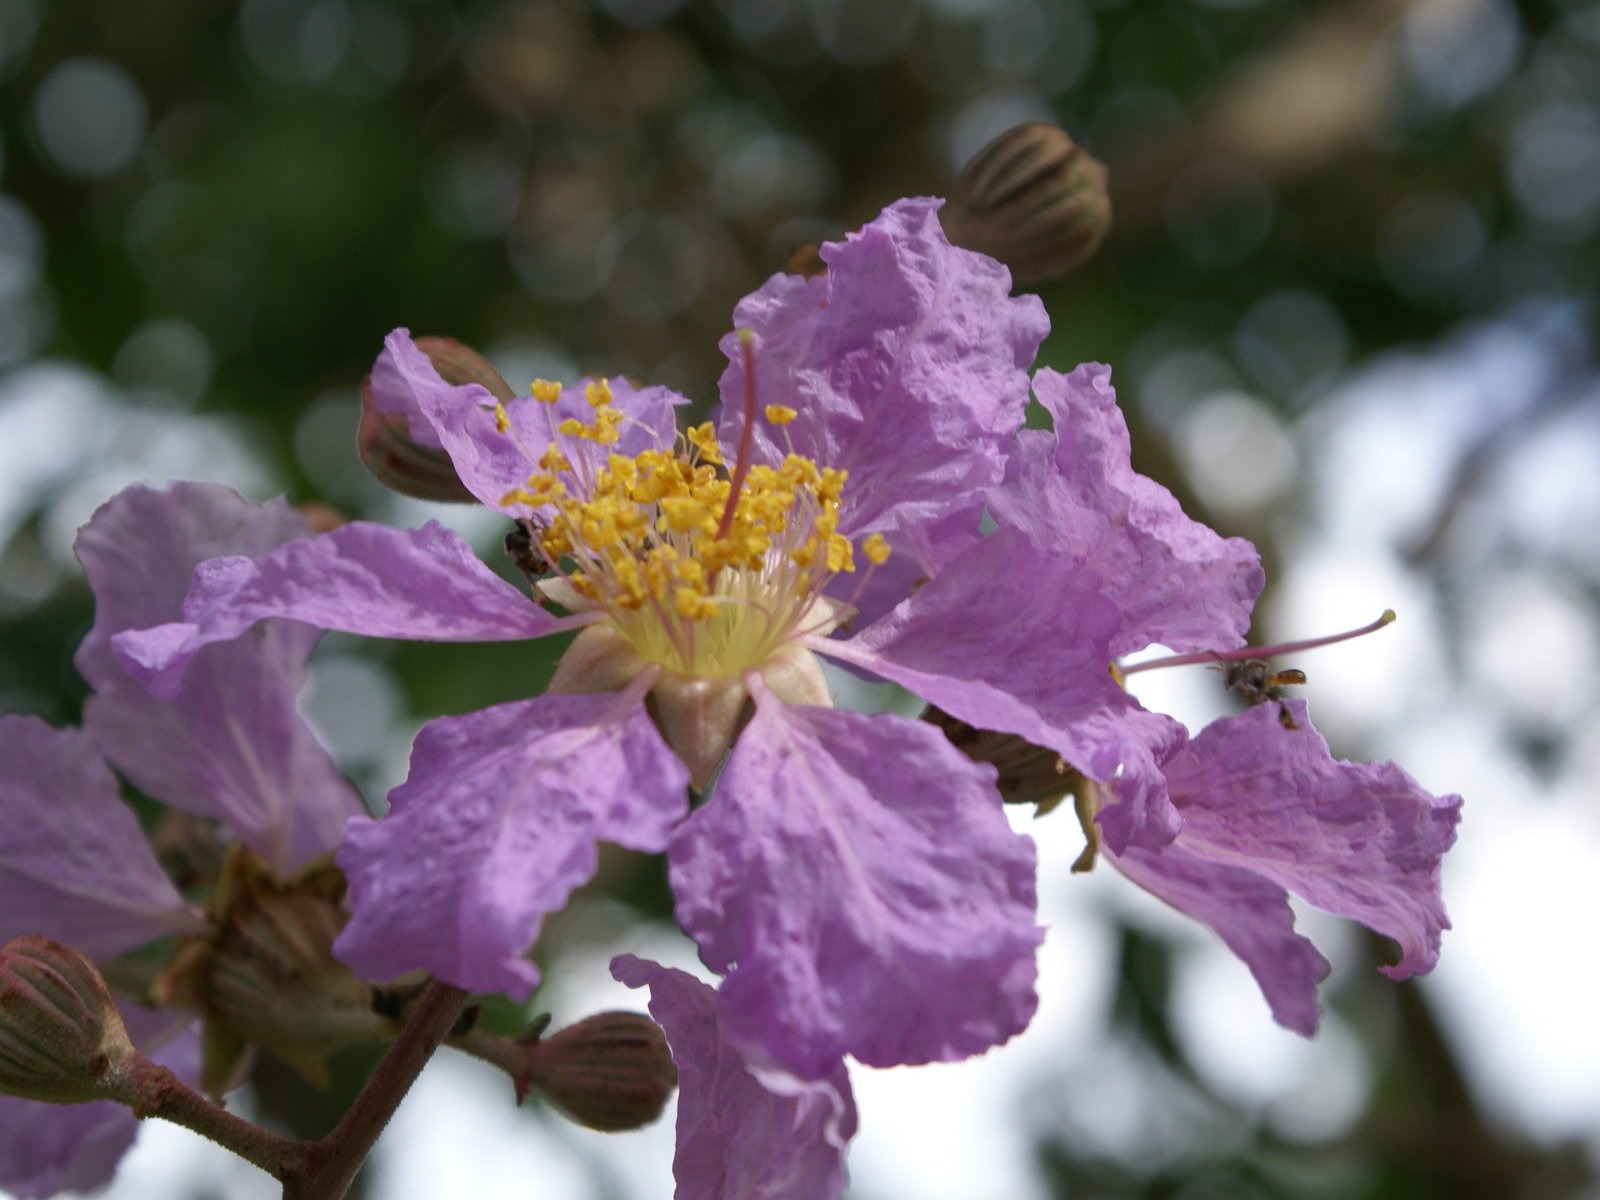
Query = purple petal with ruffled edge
x=745 y=1132
x=1249 y=913
x=420 y=584
x=141 y=547
x=1011 y=639
x=1075 y=492
x=496 y=824
x=74 y=864
x=857 y=878
x=1360 y=840
x=461 y=420
x=907 y=363
x=233 y=745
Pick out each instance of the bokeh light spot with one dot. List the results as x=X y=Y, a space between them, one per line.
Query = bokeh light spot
x=90 y=117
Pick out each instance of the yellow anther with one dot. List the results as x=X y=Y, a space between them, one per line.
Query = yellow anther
x=692 y=605
x=502 y=422
x=704 y=439
x=780 y=414
x=876 y=548
x=841 y=554
x=598 y=393
x=545 y=392
x=685 y=514
x=573 y=427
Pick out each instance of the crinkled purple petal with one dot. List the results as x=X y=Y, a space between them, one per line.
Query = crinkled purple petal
x=490 y=463
x=496 y=824
x=857 y=880
x=74 y=864
x=745 y=1131
x=233 y=745
x=916 y=556
x=422 y=584
x=1075 y=492
x=907 y=363
x=1361 y=840
x=1250 y=914
x=1015 y=640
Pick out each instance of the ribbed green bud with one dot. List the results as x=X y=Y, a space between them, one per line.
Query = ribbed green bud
x=611 y=1071
x=384 y=440
x=1034 y=199
x=61 y=1038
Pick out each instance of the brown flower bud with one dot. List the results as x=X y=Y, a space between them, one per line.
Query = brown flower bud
x=1034 y=199
x=611 y=1071
x=1028 y=774
x=61 y=1038
x=384 y=440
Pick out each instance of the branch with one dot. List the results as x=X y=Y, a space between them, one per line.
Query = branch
x=328 y=1167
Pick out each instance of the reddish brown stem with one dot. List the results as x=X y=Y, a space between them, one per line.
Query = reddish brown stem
x=329 y=1166
x=154 y=1091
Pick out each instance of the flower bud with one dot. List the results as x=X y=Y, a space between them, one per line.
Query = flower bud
x=1034 y=199
x=61 y=1038
x=459 y=365
x=384 y=439
x=611 y=1071
x=1026 y=774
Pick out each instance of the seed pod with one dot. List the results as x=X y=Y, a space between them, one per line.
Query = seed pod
x=61 y=1038
x=1034 y=199
x=611 y=1071
x=384 y=439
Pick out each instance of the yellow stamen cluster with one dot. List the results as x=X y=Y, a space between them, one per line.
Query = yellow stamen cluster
x=652 y=540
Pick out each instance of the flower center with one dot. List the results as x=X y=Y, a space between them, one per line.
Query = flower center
x=704 y=571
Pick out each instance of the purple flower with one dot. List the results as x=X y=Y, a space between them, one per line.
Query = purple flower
x=744 y=1130
x=74 y=863
x=1268 y=810
x=75 y=866
x=51 y=1148
x=842 y=859
x=233 y=747
x=1220 y=826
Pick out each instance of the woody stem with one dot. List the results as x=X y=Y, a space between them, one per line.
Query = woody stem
x=328 y=1167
